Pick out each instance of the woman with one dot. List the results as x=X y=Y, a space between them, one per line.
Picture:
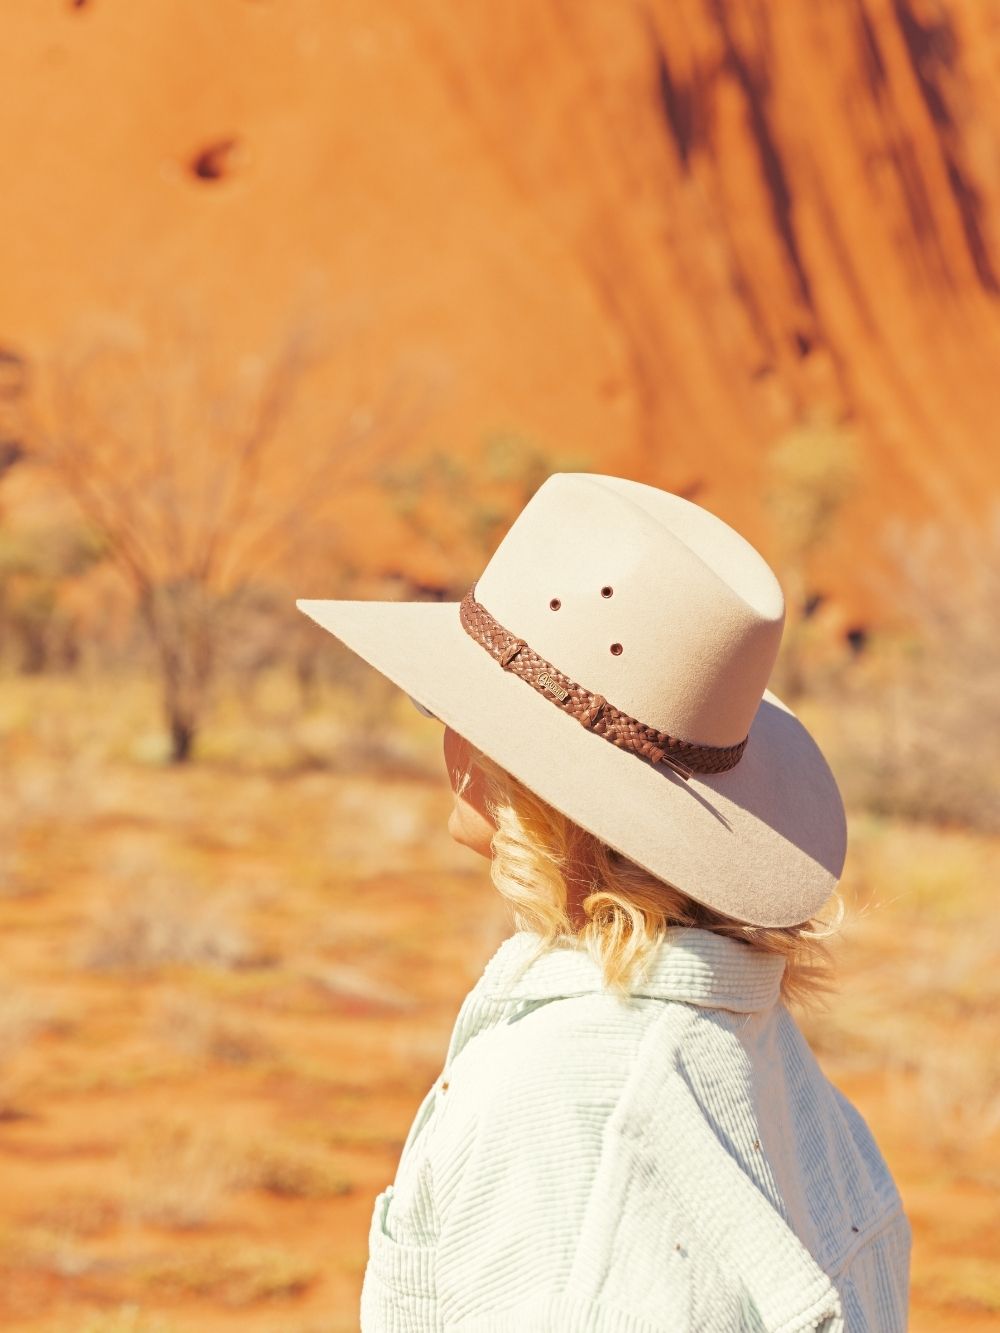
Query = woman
x=630 y=1133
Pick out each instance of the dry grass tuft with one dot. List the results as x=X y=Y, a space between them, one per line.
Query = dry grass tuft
x=354 y=988
x=965 y=1282
x=955 y=1094
x=165 y=921
x=78 y=1214
x=23 y=1016
x=205 y=1031
x=16 y=880
x=233 y=1274
x=126 y=1319
x=52 y=1252
x=292 y=1172
x=179 y=1171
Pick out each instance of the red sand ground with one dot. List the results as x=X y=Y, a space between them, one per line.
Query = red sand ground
x=204 y=1140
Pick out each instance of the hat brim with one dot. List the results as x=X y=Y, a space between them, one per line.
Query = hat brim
x=764 y=842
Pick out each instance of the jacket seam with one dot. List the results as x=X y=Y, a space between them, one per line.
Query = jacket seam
x=876 y=1229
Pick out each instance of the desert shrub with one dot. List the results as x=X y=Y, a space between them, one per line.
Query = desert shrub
x=77 y=1213
x=126 y=1319
x=179 y=1172
x=162 y=921
x=23 y=1016
x=918 y=722
x=957 y=1089
x=235 y=1275
x=14 y=869
x=456 y=508
x=809 y=474
x=204 y=1030
x=291 y=1171
x=37 y=631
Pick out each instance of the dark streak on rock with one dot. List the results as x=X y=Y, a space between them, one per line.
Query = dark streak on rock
x=743 y=289
x=678 y=107
x=754 y=88
x=13 y=373
x=844 y=258
x=932 y=49
x=871 y=52
x=969 y=203
x=918 y=204
x=928 y=48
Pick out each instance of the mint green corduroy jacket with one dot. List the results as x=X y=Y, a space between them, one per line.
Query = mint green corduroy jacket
x=667 y=1162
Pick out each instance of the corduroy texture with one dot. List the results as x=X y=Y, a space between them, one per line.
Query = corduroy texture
x=677 y=1161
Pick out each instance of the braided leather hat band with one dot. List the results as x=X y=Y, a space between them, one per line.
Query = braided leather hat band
x=592 y=710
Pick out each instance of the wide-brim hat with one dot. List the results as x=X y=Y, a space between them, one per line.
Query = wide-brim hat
x=614 y=656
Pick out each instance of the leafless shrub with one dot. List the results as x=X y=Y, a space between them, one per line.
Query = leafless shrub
x=178 y=464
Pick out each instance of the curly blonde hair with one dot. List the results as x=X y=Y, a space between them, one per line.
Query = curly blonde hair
x=627 y=910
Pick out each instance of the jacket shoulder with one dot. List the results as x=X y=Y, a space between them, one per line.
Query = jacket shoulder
x=564 y=1049
x=526 y=1105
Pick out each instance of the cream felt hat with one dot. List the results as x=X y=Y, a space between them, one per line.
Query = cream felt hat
x=614 y=656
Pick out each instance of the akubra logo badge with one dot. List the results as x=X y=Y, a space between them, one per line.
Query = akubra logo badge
x=547 y=682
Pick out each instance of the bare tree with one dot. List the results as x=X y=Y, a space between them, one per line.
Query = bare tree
x=198 y=475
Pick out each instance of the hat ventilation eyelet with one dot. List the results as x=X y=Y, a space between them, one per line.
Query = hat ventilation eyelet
x=607 y=591
x=616 y=648
x=555 y=604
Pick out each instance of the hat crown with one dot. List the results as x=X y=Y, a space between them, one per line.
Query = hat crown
x=644 y=597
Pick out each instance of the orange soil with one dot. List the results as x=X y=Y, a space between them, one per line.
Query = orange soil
x=353 y=928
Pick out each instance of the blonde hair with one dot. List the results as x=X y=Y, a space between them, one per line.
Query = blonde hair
x=627 y=909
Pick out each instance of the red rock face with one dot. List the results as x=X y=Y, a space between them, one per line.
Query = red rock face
x=655 y=235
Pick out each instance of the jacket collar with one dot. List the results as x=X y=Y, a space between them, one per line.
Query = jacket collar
x=691 y=965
